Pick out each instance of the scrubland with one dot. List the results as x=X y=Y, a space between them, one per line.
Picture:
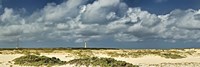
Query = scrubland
x=61 y=57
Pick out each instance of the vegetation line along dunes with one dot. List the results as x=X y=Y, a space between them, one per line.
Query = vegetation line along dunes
x=96 y=57
x=102 y=62
x=33 y=60
x=172 y=54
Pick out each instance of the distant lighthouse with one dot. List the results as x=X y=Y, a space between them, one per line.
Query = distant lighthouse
x=85 y=46
x=17 y=45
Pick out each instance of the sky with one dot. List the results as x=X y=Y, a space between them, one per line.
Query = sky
x=101 y=23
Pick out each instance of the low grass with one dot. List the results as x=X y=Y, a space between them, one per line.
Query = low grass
x=27 y=52
x=81 y=53
x=102 y=62
x=33 y=60
x=172 y=56
x=139 y=53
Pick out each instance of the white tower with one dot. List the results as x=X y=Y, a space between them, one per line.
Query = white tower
x=85 y=44
x=17 y=45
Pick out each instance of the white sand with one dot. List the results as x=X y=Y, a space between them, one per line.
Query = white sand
x=8 y=57
x=149 y=59
x=157 y=60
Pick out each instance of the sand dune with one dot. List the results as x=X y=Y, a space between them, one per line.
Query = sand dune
x=158 y=60
x=144 y=61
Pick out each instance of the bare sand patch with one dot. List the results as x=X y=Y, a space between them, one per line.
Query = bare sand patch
x=144 y=61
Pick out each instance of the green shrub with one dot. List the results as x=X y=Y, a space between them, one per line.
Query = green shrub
x=26 y=52
x=47 y=50
x=81 y=53
x=33 y=60
x=36 y=53
x=163 y=53
x=102 y=62
x=172 y=56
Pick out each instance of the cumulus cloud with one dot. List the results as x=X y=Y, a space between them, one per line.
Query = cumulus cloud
x=77 y=21
x=103 y=11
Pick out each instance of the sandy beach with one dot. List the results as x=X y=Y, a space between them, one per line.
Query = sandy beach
x=192 y=60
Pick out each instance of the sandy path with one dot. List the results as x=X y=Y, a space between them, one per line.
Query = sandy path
x=5 y=58
x=158 y=60
x=8 y=57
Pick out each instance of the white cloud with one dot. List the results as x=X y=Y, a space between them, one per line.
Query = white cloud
x=75 y=20
x=9 y=17
x=103 y=11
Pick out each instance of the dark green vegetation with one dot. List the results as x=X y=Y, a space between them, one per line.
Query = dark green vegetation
x=172 y=56
x=33 y=60
x=102 y=62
